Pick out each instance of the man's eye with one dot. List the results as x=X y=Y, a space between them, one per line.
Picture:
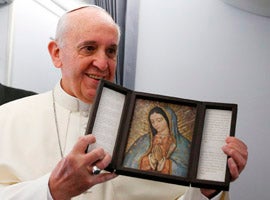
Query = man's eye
x=87 y=50
x=112 y=52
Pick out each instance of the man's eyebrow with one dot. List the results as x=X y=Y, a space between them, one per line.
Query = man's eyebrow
x=114 y=46
x=85 y=43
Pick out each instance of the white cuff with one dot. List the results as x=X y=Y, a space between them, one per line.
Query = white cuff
x=36 y=189
x=49 y=195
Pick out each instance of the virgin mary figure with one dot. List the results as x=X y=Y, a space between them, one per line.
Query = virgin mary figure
x=164 y=149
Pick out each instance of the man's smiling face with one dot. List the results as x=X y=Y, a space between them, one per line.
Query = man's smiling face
x=87 y=54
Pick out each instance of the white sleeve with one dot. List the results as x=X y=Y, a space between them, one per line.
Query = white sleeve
x=36 y=189
x=195 y=194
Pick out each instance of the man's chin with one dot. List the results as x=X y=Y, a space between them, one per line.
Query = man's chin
x=90 y=97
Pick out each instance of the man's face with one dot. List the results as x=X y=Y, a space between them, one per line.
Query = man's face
x=88 y=54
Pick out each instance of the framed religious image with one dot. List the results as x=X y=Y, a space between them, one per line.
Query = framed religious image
x=162 y=138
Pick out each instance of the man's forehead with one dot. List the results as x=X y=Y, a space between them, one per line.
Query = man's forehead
x=87 y=19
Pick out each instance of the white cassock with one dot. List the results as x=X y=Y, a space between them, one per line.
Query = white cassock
x=29 y=151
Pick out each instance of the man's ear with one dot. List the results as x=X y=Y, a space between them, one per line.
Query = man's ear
x=55 y=54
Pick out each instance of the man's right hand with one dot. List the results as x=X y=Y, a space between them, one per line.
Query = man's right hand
x=73 y=174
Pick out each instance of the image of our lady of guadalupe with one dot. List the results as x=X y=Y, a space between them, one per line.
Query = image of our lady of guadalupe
x=164 y=149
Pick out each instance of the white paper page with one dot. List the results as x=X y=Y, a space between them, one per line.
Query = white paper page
x=108 y=119
x=213 y=161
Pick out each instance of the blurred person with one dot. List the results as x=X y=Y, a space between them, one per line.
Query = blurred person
x=10 y=93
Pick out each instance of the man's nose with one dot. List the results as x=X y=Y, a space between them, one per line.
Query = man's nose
x=101 y=60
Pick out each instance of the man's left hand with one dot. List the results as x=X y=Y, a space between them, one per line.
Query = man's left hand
x=238 y=155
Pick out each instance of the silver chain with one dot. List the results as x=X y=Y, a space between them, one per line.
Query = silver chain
x=57 y=127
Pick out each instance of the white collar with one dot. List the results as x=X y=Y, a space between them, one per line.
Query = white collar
x=69 y=102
